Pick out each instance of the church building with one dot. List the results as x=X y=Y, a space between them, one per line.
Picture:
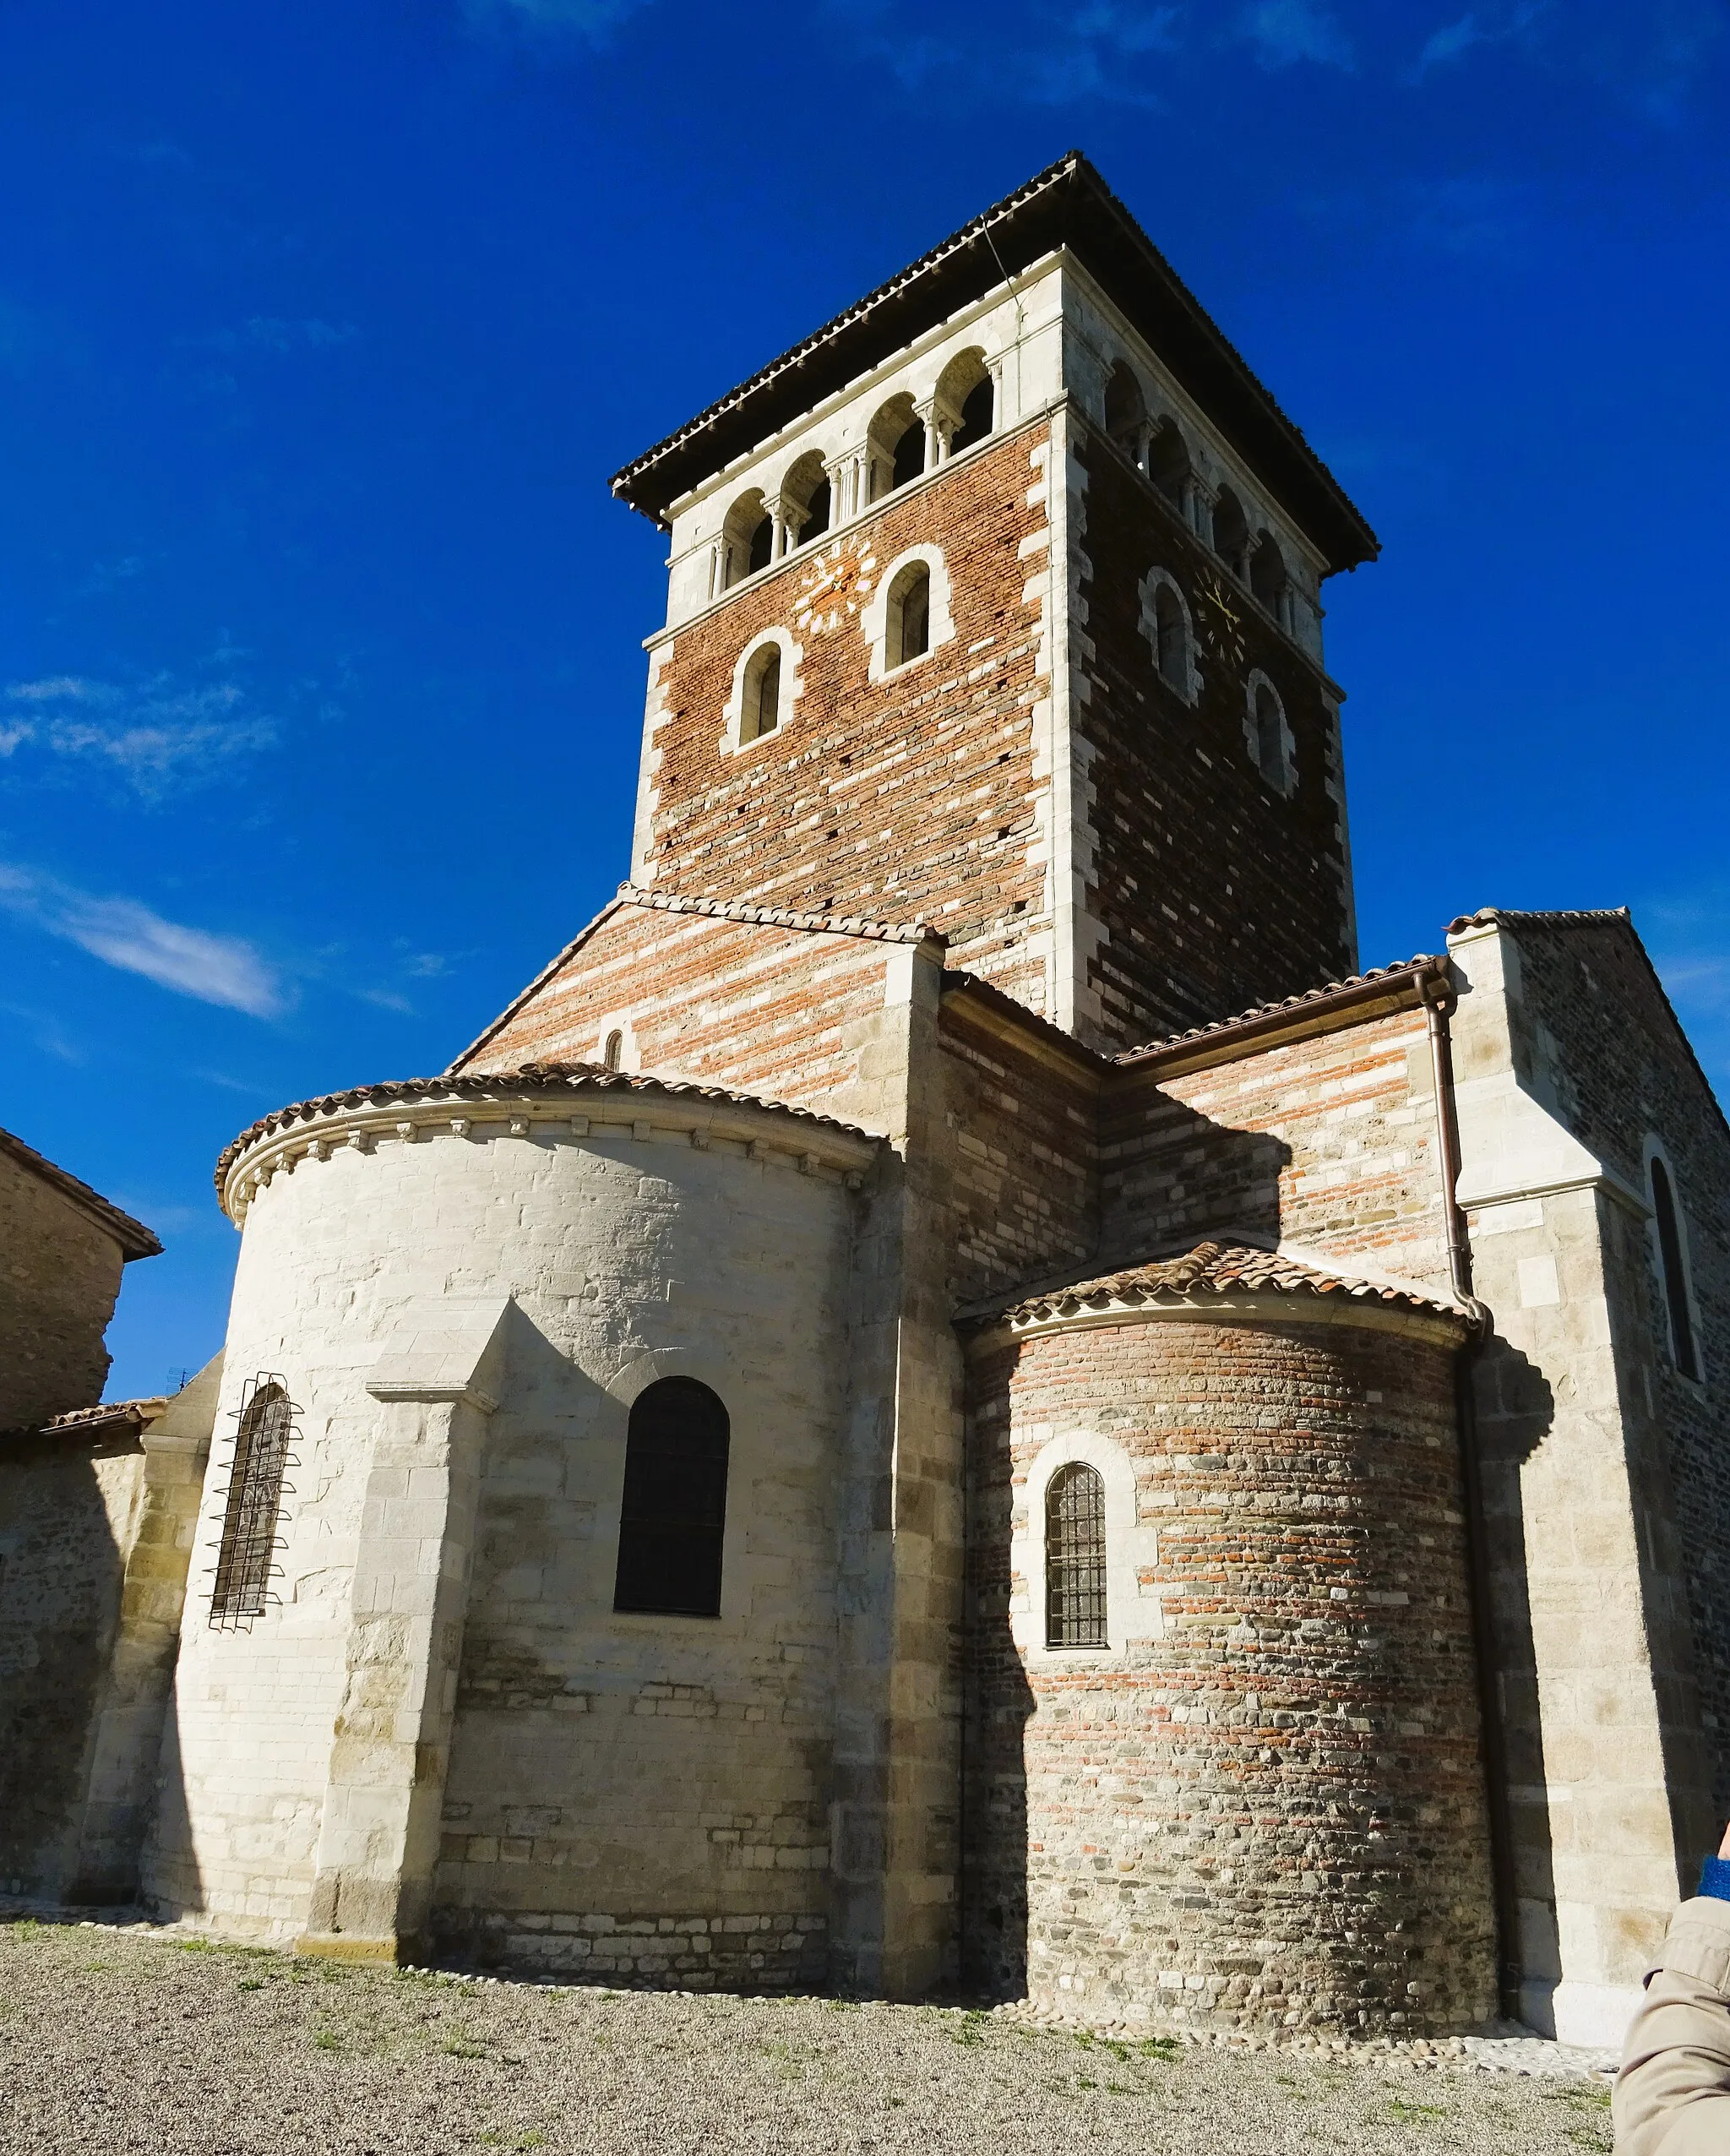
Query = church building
x=954 y=1394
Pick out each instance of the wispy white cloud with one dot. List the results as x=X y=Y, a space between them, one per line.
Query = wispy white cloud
x=123 y=932
x=153 y=734
x=275 y=333
x=1283 y=32
x=1453 y=39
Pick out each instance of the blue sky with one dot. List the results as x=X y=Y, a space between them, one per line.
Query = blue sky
x=321 y=327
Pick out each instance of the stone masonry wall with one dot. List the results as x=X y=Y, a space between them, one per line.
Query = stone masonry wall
x=919 y=796
x=1603 y=1049
x=61 y=1274
x=1269 y=1814
x=1329 y=1142
x=1214 y=892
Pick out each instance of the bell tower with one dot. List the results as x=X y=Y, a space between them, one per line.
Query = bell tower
x=995 y=604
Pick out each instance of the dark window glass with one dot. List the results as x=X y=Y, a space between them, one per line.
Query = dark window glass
x=246 y=1554
x=1168 y=463
x=763 y=696
x=675 y=1502
x=817 y=516
x=761 y=539
x=1074 y=1558
x=1173 y=639
x=1231 y=534
x=909 y=621
x=1675 y=1279
x=976 y=415
x=910 y=454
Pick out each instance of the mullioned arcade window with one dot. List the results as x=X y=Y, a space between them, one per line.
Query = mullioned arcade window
x=674 y=1514
x=1074 y=1557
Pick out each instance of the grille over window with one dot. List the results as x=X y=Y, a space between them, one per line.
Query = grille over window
x=1074 y=1558
x=246 y=1554
x=675 y=1501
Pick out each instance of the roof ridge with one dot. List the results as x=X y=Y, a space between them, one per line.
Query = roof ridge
x=781 y=917
x=1562 y=916
x=526 y=1077
x=134 y=1238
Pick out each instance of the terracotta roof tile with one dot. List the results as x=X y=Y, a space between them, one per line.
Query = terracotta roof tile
x=1206 y=1273
x=1358 y=988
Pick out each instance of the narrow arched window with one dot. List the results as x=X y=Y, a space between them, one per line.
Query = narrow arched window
x=245 y=1555
x=909 y=616
x=1074 y=1557
x=1172 y=639
x=1673 y=1264
x=1168 y=465
x=977 y=414
x=613 y=1053
x=758 y=547
x=761 y=712
x=1126 y=413
x=1230 y=535
x=1267 y=737
x=909 y=454
x=675 y=1502
x=1267 y=576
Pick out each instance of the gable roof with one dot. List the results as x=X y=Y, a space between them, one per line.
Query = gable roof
x=134 y=1238
x=1067 y=206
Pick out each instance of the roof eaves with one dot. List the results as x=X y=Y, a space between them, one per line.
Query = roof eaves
x=134 y=1238
x=1311 y=1010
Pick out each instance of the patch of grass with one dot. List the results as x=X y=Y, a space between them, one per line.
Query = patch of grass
x=24 y=1928
x=194 y=1947
x=1403 y=2112
x=326 y=2039
x=250 y=1984
x=842 y=2006
x=970 y=2028
x=1159 y=2047
x=460 y=2047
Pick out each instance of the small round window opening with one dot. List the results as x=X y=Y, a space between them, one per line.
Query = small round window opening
x=910 y=615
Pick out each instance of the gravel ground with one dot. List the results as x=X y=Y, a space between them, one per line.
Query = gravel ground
x=122 y=2039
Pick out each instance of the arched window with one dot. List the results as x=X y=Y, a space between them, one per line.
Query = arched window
x=745 y=538
x=760 y=712
x=1231 y=534
x=675 y=1502
x=1267 y=576
x=1170 y=639
x=964 y=389
x=246 y=1553
x=1268 y=742
x=612 y=1054
x=1168 y=465
x=1126 y=413
x=804 y=494
x=1074 y=1557
x=909 y=454
x=909 y=621
x=1673 y=1264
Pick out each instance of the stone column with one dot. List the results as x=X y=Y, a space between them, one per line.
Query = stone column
x=385 y=1787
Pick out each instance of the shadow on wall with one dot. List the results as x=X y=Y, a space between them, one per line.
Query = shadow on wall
x=62 y=1572
x=1199 y=1179
x=1515 y=1409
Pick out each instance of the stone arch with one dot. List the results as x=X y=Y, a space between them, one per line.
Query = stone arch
x=1126 y=413
x=1131 y=1548
x=747 y=538
x=966 y=400
x=1170 y=629
x=895 y=446
x=940 y=621
x=745 y=710
x=1273 y=749
x=805 y=501
x=1170 y=466
x=1231 y=534
x=1270 y=581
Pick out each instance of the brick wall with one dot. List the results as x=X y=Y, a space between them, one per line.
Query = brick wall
x=779 y=1012
x=1329 y=1142
x=1216 y=892
x=62 y=1275
x=917 y=798
x=1272 y=1813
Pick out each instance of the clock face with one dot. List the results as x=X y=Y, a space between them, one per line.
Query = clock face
x=834 y=590
x=1219 y=623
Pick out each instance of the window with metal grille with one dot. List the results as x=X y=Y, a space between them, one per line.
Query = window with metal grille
x=246 y=1554
x=1074 y=1557
x=675 y=1502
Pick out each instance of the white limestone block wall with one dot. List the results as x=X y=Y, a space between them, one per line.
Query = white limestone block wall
x=620 y=1230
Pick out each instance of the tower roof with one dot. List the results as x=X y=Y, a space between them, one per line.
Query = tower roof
x=1066 y=206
